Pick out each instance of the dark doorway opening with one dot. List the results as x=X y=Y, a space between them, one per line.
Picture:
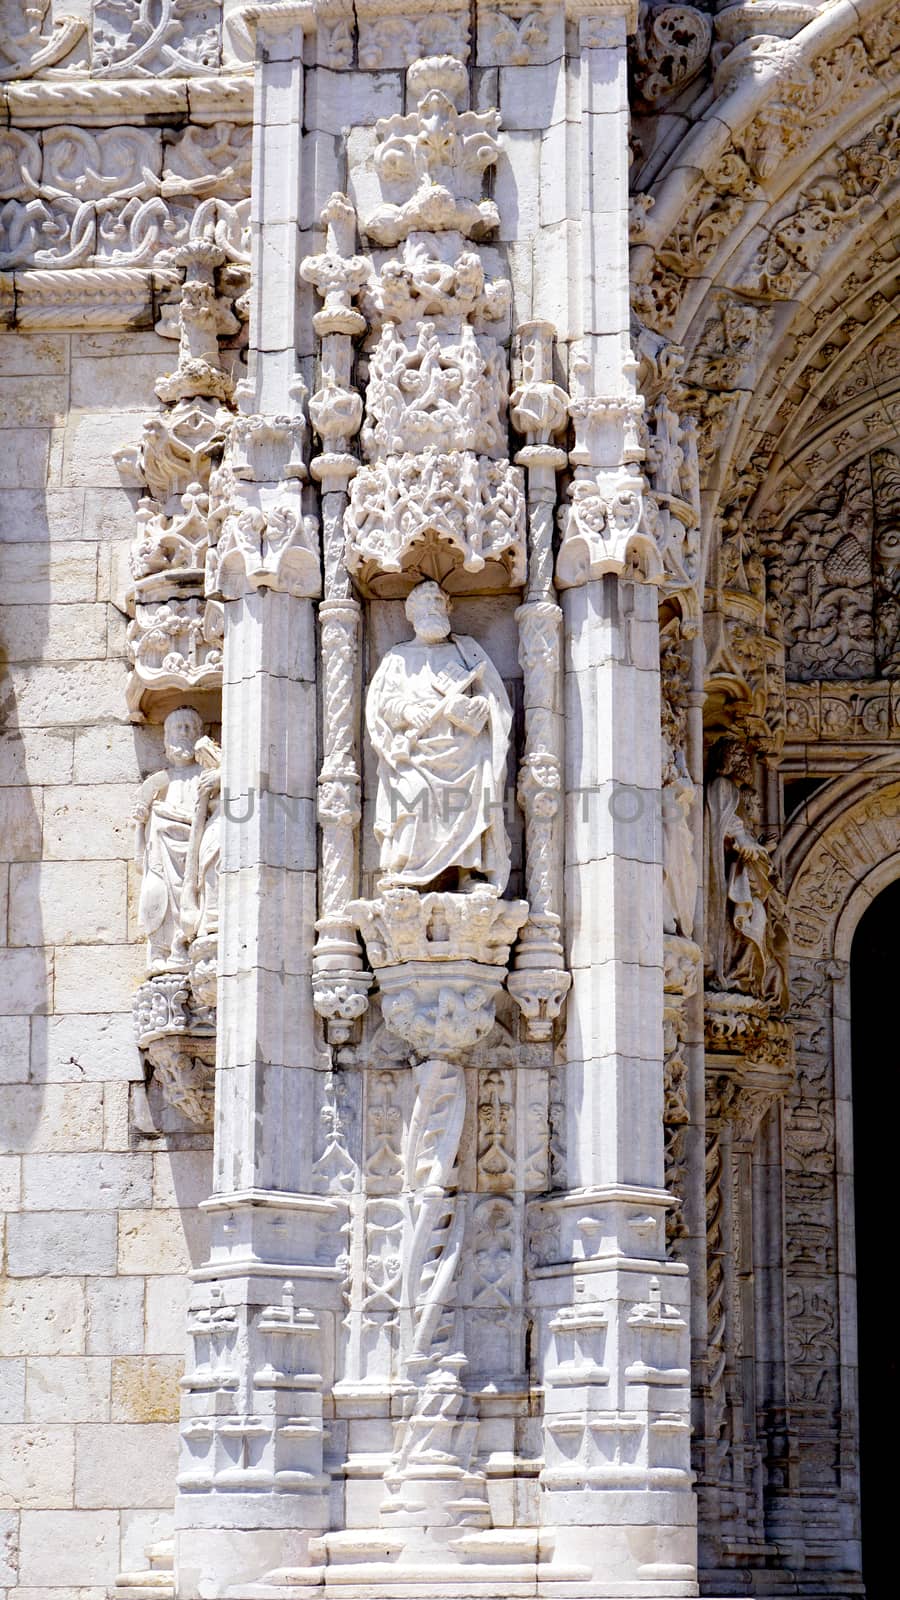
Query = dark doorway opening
x=874 y=974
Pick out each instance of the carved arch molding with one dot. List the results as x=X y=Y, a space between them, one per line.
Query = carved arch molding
x=838 y=856
x=764 y=275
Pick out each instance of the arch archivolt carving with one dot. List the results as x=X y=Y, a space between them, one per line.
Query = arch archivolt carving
x=763 y=256
x=837 y=858
x=840 y=860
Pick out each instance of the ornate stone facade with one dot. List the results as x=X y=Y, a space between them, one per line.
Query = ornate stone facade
x=451 y=629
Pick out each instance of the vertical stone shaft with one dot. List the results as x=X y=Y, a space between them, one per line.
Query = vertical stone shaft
x=267 y=895
x=616 y=1480
x=252 y=1493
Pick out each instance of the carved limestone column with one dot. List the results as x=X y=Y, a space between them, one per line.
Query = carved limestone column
x=616 y=1482
x=341 y=985
x=252 y=1493
x=539 y=410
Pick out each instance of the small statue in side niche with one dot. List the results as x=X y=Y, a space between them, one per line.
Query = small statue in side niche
x=164 y=814
x=747 y=938
x=439 y=719
x=680 y=875
x=200 y=889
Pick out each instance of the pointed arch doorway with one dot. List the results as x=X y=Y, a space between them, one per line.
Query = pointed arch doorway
x=875 y=1036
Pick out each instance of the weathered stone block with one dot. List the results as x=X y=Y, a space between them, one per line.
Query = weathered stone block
x=79 y=694
x=68 y=902
x=49 y=1243
x=56 y=633
x=167 y=1304
x=69 y=1547
x=52 y=1116
x=35 y=756
x=99 y=1182
x=15 y=1044
x=26 y=981
x=97 y=978
x=89 y=822
x=68 y=1389
x=160 y=1241
x=79 y=1049
x=20 y=824
x=37 y=1467
x=115 y=1316
x=44 y=1317
x=125 y=1464
x=9 y=1548
x=12 y=1390
x=145 y=1388
x=38 y=574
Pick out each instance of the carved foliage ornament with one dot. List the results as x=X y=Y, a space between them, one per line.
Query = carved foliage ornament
x=437 y=488
x=35 y=39
x=671 y=48
x=122 y=196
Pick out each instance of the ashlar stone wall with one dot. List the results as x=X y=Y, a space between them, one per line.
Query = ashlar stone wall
x=101 y=1180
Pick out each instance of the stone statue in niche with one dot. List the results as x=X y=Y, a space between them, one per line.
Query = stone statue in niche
x=439 y=719
x=747 y=932
x=200 y=890
x=177 y=844
x=680 y=876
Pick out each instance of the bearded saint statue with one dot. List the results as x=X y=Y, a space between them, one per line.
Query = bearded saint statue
x=439 y=719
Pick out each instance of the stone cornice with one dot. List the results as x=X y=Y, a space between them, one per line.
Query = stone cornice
x=82 y=297
x=91 y=102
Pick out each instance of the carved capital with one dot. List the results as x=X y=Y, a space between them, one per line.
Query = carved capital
x=610 y=525
x=540 y=994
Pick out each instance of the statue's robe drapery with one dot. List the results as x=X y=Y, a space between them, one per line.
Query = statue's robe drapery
x=679 y=868
x=440 y=792
x=164 y=857
x=747 y=937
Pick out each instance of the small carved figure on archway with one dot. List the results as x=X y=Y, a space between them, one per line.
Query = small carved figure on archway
x=747 y=938
x=680 y=876
x=439 y=719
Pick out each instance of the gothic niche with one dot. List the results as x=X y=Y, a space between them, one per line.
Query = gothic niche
x=175 y=647
x=435 y=516
x=177 y=850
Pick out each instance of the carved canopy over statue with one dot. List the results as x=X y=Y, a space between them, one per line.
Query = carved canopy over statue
x=439 y=719
x=747 y=934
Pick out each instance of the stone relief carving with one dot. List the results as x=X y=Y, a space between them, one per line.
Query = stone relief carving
x=747 y=949
x=177 y=850
x=394 y=34
x=792 y=250
x=122 y=196
x=611 y=524
x=539 y=411
x=520 y=33
x=35 y=38
x=175 y=638
x=154 y=38
x=680 y=873
x=672 y=46
x=177 y=846
x=837 y=565
x=439 y=720
x=437 y=485
x=681 y=982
